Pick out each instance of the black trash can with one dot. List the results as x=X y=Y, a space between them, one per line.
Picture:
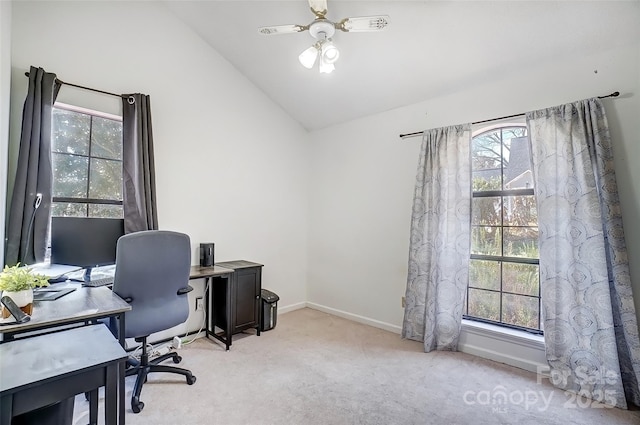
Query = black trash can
x=269 y=310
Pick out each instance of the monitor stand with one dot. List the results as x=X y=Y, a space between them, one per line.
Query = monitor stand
x=87 y=274
x=98 y=276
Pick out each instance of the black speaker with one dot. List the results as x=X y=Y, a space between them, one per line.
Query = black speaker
x=206 y=254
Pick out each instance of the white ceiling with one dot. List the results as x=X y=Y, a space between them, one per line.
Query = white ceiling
x=429 y=49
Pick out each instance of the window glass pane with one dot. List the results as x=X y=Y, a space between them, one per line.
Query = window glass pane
x=71 y=173
x=70 y=132
x=520 y=310
x=106 y=138
x=484 y=274
x=64 y=209
x=486 y=211
x=517 y=164
x=485 y=180
x=508 y=134
x=521 y=242
x=520 y=211
x=106 y=179
x=105 y=211
x=484 y=304
x=486 y=161
x=520 y=278
x=486 y=240
x=485 y=151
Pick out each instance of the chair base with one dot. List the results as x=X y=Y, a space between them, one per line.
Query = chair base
x=146 y=366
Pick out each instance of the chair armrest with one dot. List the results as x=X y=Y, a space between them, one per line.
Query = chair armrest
x=185 y=290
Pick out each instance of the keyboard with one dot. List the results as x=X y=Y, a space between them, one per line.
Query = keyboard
x=103 y=281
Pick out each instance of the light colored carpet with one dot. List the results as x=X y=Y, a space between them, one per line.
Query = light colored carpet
x=315 y=368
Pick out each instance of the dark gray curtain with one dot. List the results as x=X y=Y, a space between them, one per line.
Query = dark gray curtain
x=28 y=226
x=139 y=181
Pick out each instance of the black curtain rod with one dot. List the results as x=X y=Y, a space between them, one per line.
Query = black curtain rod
x=59 y=81
x=417 y=133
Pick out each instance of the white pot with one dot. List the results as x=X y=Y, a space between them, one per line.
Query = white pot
x=21 y=298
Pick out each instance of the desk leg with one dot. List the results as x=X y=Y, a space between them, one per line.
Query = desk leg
x=111 y=394
x=211 y=315
x=207 y=305
x=93 y=407
x=229 y=328
x=121 y=392
x=6 y=409
x=121 y=328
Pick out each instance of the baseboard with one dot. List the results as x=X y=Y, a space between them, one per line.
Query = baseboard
x=356 y=318
x=522 y=351
x=291 y=307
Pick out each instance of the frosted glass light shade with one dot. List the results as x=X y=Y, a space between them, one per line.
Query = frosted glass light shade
x=330 y=52
x=326 y=68
x=308 y=57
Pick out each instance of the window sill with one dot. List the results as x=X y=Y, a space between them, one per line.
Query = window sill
x=512 y=336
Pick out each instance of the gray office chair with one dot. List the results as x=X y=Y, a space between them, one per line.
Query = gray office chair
x=152 y=274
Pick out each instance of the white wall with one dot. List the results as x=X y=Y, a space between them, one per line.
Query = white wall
x=232 y=167
x=5 y=90
x=230 y=164
x=362 y=177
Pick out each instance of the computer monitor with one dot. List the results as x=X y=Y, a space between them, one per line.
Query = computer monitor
x=85 y=241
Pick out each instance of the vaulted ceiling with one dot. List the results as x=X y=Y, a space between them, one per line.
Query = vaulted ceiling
x=429 y=49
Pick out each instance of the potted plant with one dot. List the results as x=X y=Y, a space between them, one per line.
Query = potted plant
x=17 y=283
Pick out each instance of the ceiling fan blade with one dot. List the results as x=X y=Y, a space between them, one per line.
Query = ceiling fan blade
x=318 y=7
x=282 y=29
x=363 y=23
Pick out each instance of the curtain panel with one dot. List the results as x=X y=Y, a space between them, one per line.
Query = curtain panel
x=28 y=223
x=590 y=323
x=138 y=168
x=439 y=240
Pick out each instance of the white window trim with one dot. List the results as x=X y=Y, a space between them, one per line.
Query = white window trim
x=504 y=345
x=502 y=333
x=87 y=111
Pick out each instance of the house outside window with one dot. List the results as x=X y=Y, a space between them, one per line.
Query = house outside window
x=504 y=284
x=86 y=150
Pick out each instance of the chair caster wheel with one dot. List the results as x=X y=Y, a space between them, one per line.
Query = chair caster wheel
x=136 y=406
x=177 y=359
x=191 y=380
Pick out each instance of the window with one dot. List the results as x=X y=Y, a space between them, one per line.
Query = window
x=86 y=150
x=504 y=284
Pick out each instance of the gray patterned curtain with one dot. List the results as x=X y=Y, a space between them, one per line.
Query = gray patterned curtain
x=590 y=323
x=138 y=169
x=28 y=218
x=440 y=238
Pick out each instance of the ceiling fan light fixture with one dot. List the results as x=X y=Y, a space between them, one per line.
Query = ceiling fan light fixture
x=330 y=52
x=325 y=67
x=308 y=57
x=322 y=29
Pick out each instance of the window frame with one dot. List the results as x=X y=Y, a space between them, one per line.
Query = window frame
x=87 y=200
x=501 y=259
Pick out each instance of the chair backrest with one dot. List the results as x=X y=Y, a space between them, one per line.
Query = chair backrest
x=151 y=266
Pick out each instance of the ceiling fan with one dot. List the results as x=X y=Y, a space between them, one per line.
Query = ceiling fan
x=322 y=30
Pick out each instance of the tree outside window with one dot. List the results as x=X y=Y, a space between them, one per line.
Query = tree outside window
x=504 y=284
x=87 y=163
